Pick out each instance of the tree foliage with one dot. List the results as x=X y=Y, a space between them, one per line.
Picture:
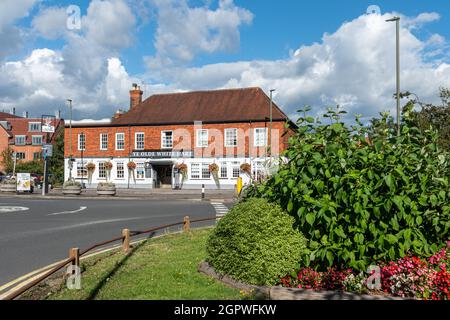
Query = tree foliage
x=359 y=201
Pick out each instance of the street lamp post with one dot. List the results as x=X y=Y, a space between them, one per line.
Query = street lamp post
x=397 y=24
x=70 y=138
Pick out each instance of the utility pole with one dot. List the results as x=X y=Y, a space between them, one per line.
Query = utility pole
x=397 y=25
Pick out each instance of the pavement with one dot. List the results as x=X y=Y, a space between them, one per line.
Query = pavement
x=35 y=232
x=131 y=194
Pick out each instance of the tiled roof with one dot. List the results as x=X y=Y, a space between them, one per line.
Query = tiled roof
x=19 y=126
x=228 y=105
x=4 y=116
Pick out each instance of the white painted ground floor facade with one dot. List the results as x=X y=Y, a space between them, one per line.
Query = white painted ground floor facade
x=162 y=173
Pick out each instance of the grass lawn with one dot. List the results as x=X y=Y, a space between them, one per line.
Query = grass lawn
x=161 y=268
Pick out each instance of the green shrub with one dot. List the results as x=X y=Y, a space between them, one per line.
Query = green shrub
x=255 y=243
x=359 y=200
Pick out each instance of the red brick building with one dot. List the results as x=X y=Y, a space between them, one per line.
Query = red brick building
x=226 y=127
x=24 y=136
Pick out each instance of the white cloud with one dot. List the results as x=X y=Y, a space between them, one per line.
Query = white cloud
x=353 y=67
x=10 y=35
x=184 y=31
x=85 y=69
x=50 y=23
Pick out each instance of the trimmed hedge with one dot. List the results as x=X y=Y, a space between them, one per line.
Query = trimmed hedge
x=255 y=243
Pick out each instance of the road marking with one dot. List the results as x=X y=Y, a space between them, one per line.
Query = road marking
x=67 y=212
x=7 y=209
x=220 y=208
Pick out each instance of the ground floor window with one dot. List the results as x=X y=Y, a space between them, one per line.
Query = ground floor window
x=81 y=170
x=36 y=155
x=140 y=170
x=101 y=170
x=223 y=170
x=236 y=169
x=195 y=171
x=206 y=174
x=120 y=170
x=200 y=171
x=258 y=170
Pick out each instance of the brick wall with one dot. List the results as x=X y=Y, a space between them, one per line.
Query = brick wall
x=184 y=138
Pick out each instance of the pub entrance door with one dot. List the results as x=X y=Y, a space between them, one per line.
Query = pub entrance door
x=163 y=175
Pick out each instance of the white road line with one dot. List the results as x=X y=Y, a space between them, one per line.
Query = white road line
x=68 y=212
x=220 y=208
x=8 y=209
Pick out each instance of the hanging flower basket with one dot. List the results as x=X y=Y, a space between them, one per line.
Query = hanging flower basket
x=90 y=169
x=246 y=168
x=131 y=168
x=214 y=169
x=182 y=167
x=108 y=167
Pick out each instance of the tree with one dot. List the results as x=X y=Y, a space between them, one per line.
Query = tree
x=431 y=116
x=56 y=161
x=7 y=161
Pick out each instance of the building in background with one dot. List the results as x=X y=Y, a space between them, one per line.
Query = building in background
x=24 y=136
x=167 y=131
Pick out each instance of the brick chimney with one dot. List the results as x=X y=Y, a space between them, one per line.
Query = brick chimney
x=135 y=96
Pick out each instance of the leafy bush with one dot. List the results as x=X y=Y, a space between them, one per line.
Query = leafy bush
x=359 y=200
x=255 y=243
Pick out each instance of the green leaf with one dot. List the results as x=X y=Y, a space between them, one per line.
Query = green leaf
x=419 y=220
x=330 y=258
x=310 y=218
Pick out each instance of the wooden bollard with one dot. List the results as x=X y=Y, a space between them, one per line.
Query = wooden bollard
x=186 y=224
x=126 y=240
x=74 y=253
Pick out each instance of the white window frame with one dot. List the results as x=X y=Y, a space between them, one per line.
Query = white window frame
x=223 y=169
x=36 y=136
x=117 y=140
x=34 y=123
x=81 y=144
x=163 y=135
x=20 y=152
x=200 y=138
x=101 y=141
x=101 y=170
x=120 y=167
x=227 y=144
x=140 y=166
x=81 y=168
x=257 y=139
x=204 y=171
x=195 y=172
x=136 y=147
x=21 y=136
x=235 y=168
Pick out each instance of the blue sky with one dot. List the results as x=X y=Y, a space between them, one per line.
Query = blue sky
x=223 y=44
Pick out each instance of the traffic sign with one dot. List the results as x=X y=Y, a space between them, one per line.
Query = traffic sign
x=47 y=150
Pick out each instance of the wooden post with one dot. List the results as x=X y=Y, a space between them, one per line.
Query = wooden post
x=126 y=240
x=186 y=224
x=74 y=253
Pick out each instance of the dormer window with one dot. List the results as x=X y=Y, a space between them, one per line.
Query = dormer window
x=34 y=127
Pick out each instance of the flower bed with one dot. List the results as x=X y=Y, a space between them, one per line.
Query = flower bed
x=409 y=277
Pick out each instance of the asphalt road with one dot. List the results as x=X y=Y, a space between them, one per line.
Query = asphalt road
x=43 y=234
